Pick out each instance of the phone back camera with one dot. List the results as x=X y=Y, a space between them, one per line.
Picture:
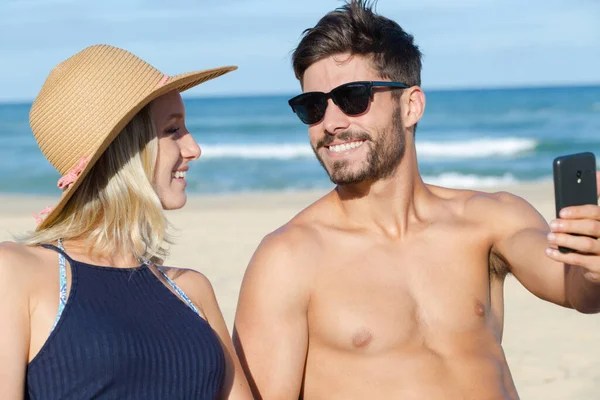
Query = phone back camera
x=579 y=174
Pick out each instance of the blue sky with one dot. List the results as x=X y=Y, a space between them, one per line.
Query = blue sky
x=466 y=43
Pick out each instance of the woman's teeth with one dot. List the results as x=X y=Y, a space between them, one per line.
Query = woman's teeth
x=345 y=147
x=179 y=174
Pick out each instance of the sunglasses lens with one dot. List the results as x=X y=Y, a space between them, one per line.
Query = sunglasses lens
x=310 y=107
x=353 y=98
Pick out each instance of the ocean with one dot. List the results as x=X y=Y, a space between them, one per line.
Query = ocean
x=467 y=138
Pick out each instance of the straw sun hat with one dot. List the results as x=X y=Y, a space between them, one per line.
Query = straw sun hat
x=87 y=100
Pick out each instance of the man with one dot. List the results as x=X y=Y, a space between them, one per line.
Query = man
x=388 y=288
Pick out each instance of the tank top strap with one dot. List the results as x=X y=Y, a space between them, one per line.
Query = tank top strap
x=62 y=271
x=59 y=249
x=178 y=290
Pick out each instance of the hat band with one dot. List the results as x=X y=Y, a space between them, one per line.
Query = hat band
x=71 y=176
x=44 y=211
x=162 y=81
x=64 y=183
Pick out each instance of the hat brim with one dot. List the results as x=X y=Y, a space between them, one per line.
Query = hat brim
x=180 y=83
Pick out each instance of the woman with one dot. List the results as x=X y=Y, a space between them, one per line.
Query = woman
x=87 y=308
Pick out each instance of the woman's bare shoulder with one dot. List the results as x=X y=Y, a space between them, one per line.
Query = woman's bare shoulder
x=25 y=265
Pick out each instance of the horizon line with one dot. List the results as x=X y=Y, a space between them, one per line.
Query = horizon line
x=425 y=89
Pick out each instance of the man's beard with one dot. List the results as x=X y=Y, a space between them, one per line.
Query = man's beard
x=383 y=157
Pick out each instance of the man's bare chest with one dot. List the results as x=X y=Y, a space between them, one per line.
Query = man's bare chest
x=380 y=298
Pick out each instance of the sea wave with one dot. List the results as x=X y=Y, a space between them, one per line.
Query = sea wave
x=477 y=148
x=462 y=181
x=258 y=151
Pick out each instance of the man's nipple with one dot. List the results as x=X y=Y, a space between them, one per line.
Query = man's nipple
x=362 y=338
x=479 y=309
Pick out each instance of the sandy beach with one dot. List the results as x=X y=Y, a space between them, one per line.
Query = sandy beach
x=554 y=353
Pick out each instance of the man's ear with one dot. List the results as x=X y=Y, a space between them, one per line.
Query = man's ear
x=414 y=99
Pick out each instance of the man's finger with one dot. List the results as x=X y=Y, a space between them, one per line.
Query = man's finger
x=591 y=211
x=590 y=263
x=588 y=227
x=581 y=244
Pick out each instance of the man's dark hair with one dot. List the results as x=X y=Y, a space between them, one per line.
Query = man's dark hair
x=356 y=29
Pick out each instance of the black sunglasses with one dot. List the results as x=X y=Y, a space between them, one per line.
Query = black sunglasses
x=352 y=98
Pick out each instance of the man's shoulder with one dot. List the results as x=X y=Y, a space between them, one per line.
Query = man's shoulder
x=293 y=248
x=487 y=203
x=294 y=239
x=303 y=231
x=502 y=211
x=487 y=207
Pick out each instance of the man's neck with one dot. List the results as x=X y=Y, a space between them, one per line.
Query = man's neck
x=388 y=205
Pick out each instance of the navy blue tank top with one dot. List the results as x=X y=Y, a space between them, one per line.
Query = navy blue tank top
x=124 y=335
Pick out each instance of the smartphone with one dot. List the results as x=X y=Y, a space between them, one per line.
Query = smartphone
x=574 y=182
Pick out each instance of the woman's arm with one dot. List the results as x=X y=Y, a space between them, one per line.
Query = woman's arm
x=14 y=323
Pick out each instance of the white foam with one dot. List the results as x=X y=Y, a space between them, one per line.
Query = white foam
x=258 y=151
x=462 y=181
x=476 y=148
x=464 y=149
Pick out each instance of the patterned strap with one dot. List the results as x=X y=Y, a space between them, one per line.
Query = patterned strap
x=63 y=284
x=179 y=291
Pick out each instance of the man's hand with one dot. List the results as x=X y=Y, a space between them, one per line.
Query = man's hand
x=580 y=220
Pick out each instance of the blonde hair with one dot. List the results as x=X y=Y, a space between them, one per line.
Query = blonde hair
x=116 y=206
